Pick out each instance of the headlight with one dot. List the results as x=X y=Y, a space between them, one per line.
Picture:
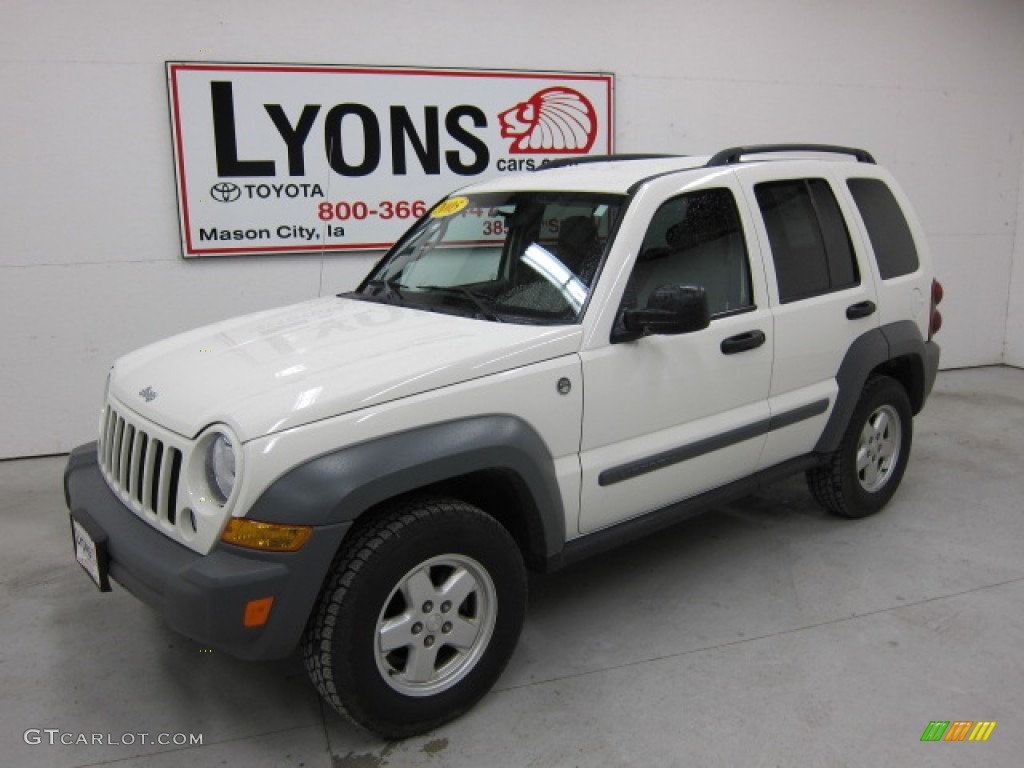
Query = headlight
x=220 y=468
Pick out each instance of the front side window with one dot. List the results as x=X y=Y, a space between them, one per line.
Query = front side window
x=808 y=236
x=694 y=239
x=528 y=257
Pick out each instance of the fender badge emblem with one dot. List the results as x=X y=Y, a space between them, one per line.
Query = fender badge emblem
x=148 y=394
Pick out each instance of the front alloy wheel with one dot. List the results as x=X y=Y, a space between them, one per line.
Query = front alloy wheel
x=418 y=618
x=436 y=625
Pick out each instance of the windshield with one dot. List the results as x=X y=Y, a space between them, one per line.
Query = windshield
x=525 y=257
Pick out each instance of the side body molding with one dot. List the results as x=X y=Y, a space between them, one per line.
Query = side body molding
x=897 y=348
x=339 y=486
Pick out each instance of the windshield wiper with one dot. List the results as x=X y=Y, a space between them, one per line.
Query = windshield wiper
x=479 y=300
x=391 y=290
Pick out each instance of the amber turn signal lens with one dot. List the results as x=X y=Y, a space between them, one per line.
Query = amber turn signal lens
x=268 y=537
x=257 y=612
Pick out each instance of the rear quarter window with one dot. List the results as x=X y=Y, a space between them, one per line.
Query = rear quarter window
x=887 y=227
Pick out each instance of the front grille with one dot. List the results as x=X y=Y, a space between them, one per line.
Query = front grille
x=143 y=469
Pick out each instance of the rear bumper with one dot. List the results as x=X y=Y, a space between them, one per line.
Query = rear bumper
x=203 y=596
x=931 y=366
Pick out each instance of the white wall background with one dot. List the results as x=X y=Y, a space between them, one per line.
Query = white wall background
x=90 y=260
x=1014 y=354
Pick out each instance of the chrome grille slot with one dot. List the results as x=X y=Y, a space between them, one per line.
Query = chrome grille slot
x=115 y=449
x=127 y=436
x=154 y=487
x=107 y=437
x=139 y=465
x=142 y=468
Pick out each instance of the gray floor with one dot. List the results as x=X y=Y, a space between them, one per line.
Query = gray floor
x=766 y=634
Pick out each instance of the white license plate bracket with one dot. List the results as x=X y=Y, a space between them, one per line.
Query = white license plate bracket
x=91 y=552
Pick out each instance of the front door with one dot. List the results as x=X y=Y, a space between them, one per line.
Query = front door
x=667 y=417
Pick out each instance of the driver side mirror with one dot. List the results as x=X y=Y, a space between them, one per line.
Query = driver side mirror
x=670 y=310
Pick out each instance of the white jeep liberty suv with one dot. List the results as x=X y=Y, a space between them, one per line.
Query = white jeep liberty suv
x=543 y=367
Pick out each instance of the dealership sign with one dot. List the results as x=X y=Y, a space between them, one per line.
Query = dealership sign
x=275 y=158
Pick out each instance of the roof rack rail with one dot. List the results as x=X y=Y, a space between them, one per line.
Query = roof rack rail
x=565 y=162
x=733 y=155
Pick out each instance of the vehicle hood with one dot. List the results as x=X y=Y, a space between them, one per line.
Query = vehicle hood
x=279 y=369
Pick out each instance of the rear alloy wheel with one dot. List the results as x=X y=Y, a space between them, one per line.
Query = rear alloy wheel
x=861 y=476
x=879 y=448
x=418 y=618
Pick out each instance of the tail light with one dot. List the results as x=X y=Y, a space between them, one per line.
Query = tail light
x=934 y=316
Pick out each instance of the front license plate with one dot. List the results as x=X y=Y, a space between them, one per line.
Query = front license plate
x=90 y=555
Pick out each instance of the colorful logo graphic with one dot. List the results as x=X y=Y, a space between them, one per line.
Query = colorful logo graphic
x=958 y=730
x=555 y=121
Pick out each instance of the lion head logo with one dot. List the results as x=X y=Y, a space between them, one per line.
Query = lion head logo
x=554 y=121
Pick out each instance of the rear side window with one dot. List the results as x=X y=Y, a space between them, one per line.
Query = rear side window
x=887 y=227
x=808 y=236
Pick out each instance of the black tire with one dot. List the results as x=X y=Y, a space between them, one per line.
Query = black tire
x=861 y=476
x=448 y=653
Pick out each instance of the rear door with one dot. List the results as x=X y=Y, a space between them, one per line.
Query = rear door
x=822 y=295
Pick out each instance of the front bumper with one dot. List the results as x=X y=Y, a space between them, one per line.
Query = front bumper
x=203 y=596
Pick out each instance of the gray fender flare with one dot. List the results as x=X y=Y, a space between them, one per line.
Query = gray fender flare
x=341 y=485
x=871 y=350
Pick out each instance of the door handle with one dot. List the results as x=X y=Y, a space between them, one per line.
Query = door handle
x=860 y=309
x=742 y=342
